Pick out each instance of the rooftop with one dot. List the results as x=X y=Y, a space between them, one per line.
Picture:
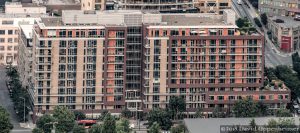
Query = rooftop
x=192 y=19
x=287 y=22
x=135 y=18
x=212 y=125
x=27 y=30
x=19 y=4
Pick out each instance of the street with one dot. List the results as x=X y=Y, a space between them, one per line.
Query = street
x=6 y=103
x=273 y=57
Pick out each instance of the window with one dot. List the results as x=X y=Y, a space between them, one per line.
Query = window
x=10 y=40
x=220 y=97
x=231 y=97
x=2 y=48
x=262 y=97
x=211 y=97
x=2 y=32
x=271 y=97
x=9 y=48
x=2 y=40
x=10 y=32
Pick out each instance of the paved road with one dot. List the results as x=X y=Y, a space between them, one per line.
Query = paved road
x=273 y=57
x=6 y=102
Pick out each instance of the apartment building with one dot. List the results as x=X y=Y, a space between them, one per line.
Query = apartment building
x=25 y=55
x=157 y=5
x=112 y=60
x=9 y=34
x=215 y=6
x=279 y=7
x=205 y=61
x=285 y=32
x=93 y=5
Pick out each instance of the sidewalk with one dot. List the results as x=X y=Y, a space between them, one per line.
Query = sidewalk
x=29 y=124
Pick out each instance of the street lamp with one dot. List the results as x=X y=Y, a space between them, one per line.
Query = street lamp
x=24 y=108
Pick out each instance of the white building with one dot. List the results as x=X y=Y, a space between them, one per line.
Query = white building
x=25 y=8
x=9 y=37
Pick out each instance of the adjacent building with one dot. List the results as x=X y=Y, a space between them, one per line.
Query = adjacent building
x=93 y=5
x=9 y=37
x=24 y=8
x=212 y=6
x=285 y=32
x=279 y=7
x=112 y=60
x=160 y=5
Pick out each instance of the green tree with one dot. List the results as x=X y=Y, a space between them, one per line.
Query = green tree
x=177 y=105
x=78 y=129
x=262 y=109
x=257 y=22
x=264 y=18
x=37 y=130
x=240 y=22
x=79 y=115
x=199 y=113
x=281 y=123
x=253 y=124
x=283 y=113
x=154 y=128
x=96 y=129
x=5 y=125
x=43 y=123
x=65 y=119
x=162 y=117
x=103 y=114
x=245 y=104
x=178 y=129
x=109 y=124
x=122 y=126
x=218 y=113
x=126 y=113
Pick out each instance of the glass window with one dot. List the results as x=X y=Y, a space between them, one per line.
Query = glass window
x=10 y=32
x=2 y=32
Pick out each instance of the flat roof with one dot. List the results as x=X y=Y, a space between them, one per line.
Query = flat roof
x=192 y=19
x=27 y=30
x=212 y=125
x=289 y=22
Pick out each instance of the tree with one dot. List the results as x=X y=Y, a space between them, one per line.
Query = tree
x=262 y=109
x=281 y=123
x=283 y=113
x=252 y=124
x=78 y=129
x=257 y=22
x=37 y=130
x=109 y=124
x=240 y=22
x=126 y=113
x=218 y=113
x=5 y=125
x=162 y=117
x=65 y=119
x=245 y=104
x=122 y=126
x=43 y=123
x=199 y=113
x=176 y=105
x=154 y=128
x=96 y=129
x=264 y=18
x=79 y=115
x=178 y=129
x=103 y=114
